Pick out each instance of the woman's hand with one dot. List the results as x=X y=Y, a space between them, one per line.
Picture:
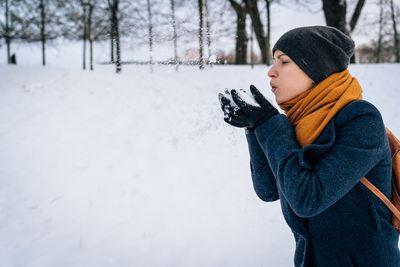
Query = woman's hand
x=232 y=114
x=254 y=115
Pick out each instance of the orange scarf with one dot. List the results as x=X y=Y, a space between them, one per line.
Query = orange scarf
x=311 y=111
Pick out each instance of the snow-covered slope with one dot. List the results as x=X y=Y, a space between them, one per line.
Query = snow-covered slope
x=139 y=169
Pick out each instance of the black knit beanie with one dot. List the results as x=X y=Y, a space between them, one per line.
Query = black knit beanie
x=318 y=50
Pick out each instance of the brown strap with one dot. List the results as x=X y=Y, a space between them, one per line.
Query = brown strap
x=382 y=197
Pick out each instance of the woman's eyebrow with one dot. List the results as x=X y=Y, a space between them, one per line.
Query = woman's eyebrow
x=279 y=56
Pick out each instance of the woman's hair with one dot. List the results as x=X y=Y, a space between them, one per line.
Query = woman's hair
x=318 y=50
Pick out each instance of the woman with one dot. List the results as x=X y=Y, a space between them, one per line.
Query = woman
x=313 y=158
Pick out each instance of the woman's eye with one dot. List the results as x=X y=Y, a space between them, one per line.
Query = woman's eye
x=285 y=62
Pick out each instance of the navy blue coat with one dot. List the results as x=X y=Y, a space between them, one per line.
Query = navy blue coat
x=335 y=220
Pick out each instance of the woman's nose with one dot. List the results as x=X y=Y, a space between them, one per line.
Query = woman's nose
x=272 y=72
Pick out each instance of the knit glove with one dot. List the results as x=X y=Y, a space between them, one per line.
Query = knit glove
x=254 y=115
x=232 y=114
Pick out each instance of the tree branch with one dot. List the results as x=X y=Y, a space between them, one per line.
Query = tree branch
x=356 y=14
x=235 y=6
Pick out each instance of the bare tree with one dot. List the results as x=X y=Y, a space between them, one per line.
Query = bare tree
x=251 y=47
x=175 y=36
x=112 y=38
x=201 y=59
x=335 y=15
x=208 y=33
x=25 y=20
x=87 y=7
x=396 y=36
x=84 y=5
x=241 y=34
x=5 y=29
x=382 y=48
x=114 y=9
x=90 y=29
x=86 y=21
x=43 y=31
x=258 y=27
x=150 y=35
x=268 y=30
x=379 y=43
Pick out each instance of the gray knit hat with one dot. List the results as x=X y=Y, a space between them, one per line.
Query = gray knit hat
x=318 y=50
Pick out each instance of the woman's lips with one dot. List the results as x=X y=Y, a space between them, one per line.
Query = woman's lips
x=273 y=87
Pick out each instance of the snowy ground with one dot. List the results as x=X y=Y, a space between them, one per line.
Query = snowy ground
x=139 y=169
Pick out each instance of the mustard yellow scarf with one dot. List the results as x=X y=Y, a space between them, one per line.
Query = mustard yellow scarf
x=311 y=111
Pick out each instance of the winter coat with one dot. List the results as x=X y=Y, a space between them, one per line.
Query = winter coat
x=336 y=221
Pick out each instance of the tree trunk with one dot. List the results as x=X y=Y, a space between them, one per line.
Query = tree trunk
x=112 y=39
x=241 y=38
x=335 y=14
x=150 y=36
x=258 y=27
x=201 y=60
x=208 y=34
x=379 y=44
x=84 y=36
x=175 y=36
x=251 y=47
x=241 y=34
x=90 y=4
x=42 y=31
x=7 y=37
x=113 y=6
x=396 y=36
x=117 y=40
x=268 y=37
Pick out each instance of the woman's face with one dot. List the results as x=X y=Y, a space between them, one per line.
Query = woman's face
x=287 y=79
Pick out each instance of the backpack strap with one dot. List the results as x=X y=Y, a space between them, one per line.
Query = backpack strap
x=381 y=196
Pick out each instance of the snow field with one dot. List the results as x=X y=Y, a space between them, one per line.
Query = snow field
x=139 y=169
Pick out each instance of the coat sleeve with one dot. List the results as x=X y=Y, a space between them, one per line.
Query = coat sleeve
x=264 y=182
x=310 y=188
